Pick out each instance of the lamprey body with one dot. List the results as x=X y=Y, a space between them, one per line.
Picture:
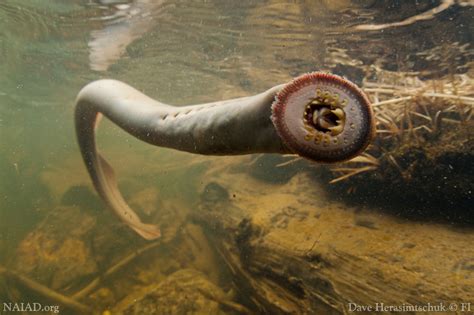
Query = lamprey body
x=319 y=116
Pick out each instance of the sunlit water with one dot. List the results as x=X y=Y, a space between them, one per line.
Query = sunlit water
x=179 y=52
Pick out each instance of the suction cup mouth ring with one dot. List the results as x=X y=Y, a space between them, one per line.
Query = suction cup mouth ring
x=323 y=117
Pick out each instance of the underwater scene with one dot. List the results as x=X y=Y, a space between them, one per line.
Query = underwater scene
x=327 y=168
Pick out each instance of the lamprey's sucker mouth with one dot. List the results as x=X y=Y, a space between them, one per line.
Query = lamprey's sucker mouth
x=319 y=116
x=323 y=117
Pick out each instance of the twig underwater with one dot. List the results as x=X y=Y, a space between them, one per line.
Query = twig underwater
x=45 y=292
x=73 y=301
x=113 y=269
x=319 y=116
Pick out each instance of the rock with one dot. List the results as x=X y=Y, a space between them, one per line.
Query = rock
x=214 y=192
x=146 y=202
x=83 y=197
x=152 y=207
x=186 y=291
x=70 y=246
x=55 y=253
x=274 y=168
x=104 y=297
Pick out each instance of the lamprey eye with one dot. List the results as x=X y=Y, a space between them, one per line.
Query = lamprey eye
x=323 y=117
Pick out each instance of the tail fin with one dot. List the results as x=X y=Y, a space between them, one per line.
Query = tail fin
x=116 y=201
x=95 y=99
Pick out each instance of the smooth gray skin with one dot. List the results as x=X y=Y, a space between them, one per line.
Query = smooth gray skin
x=232 y=127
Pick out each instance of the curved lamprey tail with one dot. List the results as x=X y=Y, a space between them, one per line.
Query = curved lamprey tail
x=319 y=116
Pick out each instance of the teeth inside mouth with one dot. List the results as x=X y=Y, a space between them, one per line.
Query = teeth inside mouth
x=325 y=114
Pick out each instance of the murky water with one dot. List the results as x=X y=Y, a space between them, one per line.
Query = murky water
x=183 y=52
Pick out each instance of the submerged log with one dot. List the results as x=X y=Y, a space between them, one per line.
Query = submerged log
x=294 y=249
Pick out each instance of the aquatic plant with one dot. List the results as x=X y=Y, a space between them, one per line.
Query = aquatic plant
x=424 y=139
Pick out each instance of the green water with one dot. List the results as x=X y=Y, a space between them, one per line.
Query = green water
x=179 y=52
